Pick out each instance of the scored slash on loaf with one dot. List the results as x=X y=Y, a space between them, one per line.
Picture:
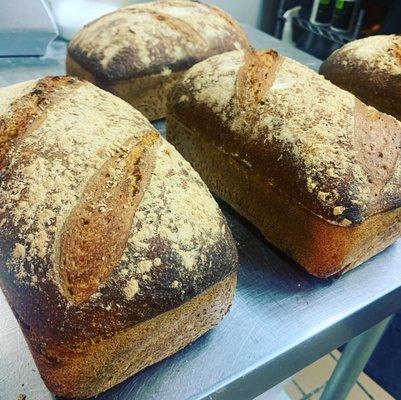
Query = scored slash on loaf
x=315 y=169
x=137 y=52
x=114 y=254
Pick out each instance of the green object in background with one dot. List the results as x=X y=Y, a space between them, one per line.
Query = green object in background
x=339 y=4
x=344 y=16
x=324 y=12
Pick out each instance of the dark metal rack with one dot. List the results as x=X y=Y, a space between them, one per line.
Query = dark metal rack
x=322 y=31
x=330 y=34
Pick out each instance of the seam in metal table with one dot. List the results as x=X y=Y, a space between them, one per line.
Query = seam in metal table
x=282 y=319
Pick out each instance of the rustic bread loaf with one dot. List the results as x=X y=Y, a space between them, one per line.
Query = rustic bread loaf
x=114 y=255
x=316 y=170
x=369 y=68
x=137 y=52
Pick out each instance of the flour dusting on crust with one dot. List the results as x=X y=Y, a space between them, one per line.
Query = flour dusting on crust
x=84 y=145
x=156 y=37
x=302 y=136
x=50 y=167
x=381 y=52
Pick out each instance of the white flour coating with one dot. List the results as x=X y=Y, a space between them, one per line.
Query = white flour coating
x=174 y=28
x=131 y=289
x=9 y=96
x=311 y=119
x=51 y=166
x=214 y=81
x=53 y=163
x=177 y=206
x=316 y=120
x=378 y=52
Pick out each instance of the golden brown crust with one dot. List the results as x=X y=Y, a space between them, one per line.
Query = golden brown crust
x=26 y=110
x=102 y=363
x=378 y=143
x=323 y=249
x=254 y=79
x=147 y=94
x=155 y=239
x=106 y=209
x=304 y=137
x=370 y=68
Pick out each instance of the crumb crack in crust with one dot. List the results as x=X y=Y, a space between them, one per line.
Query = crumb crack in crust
x=106 y=209
x=305 y=136
x=17 y=120
x=168 y=240
x=154 y=38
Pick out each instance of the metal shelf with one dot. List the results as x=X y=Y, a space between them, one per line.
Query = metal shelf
x=327 y=33
x=323 y=31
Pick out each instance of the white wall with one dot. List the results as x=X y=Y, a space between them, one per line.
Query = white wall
x=246 y=11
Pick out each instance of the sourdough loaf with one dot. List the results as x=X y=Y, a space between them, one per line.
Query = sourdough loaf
x=113 y=253
x=137 y=52
x=369 y=68
x=318 y=171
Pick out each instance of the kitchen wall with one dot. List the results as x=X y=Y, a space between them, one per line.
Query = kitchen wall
x=246 y=11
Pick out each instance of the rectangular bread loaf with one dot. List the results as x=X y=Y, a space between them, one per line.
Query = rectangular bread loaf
x=137 y=52
x=113 y=253
x=315 y=169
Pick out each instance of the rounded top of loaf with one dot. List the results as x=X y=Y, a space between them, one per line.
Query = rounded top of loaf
x=154 y=38
x=370 y=68
x=378 y=53
x=104 y=224
x=317 y=144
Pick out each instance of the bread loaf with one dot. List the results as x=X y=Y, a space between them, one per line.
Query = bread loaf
x=114 y=255
x=316 y=170
x=369 y=68
x=137 y=52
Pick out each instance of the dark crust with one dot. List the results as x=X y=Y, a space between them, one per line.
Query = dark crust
x=284 y=173
x=44 y=312
x=322 y=248
x=127 y=64
x=106 y=363
x=27 y=110
x=372 y=85
x=267 y=162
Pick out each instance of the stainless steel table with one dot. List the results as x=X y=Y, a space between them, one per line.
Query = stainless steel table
x=282 y=319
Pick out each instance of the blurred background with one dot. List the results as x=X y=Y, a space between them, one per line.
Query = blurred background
x=318 y=27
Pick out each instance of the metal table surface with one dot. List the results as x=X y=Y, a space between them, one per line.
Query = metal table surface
x=281 y=320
